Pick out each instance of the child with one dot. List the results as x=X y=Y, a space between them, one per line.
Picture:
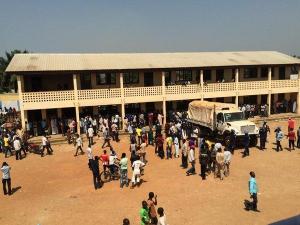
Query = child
x=162 y=217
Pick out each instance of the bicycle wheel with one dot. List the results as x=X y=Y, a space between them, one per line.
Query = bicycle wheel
x=105 y=176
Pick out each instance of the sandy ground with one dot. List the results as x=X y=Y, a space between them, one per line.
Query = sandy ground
x=58 y=189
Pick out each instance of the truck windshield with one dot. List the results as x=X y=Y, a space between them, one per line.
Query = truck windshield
x=236 y=116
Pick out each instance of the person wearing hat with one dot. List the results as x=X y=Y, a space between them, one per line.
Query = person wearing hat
x=279 y=137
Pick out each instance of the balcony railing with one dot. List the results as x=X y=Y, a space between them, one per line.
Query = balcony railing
x=217 y=87
x=182 y=89
x=99 y=94
x=175 y=92
x=142 y=91
x=48 y=96
x=242 y=86
x=284 y=83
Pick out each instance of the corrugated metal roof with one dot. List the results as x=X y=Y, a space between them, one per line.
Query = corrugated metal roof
x=109 y=61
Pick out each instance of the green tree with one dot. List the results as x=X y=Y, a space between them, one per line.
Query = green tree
x=8 y=82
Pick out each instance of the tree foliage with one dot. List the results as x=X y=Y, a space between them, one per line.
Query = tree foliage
x=8 y=82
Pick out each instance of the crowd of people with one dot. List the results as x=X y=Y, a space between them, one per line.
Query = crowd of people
x=175 y=139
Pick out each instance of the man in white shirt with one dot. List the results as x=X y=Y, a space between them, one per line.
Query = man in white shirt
x=90 y=135
x=227 y=160
x=191 y=158
x=137 y=166
x=17 y=147
x=79 y=145
x=89 y=153
x=112 y=160
x=46 y=144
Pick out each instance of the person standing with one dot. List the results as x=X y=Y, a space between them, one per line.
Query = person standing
x=298 y=138
x=138 y=131
x=227 y=160
x=6 y=146
x=176 y=146
x=105 y=160
x=220 y=164
x=203 y=160
x=17 y=147
x=124 y=170
x=160 y=146
x=150 y=136
x=6 y=180
x=191 y=158
x=89 y=152
x=144 y=214
x=253 y=189
x=232 y=141
x=96 y=173
x=106 y=138
x=46 y=145
x=279 y=137
x=184 y=154
x=137 y=166
x=79 y=145
x=162 y=217
x=291 y=124
x=246 y=144
x=90 y=132
x=262 y=138
x=292 y=137
x=152 y=202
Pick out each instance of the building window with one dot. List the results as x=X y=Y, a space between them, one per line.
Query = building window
x=265 y=70
x=220 y=75
x=168 y=77
x=281 y=73
x=131 y=78
x=206 y=75
x=250 y=73
x=184 y=75
x=106 y=78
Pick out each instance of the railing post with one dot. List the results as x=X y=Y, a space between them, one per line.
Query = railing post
x=163 y=84
x=269 y=89
x=237 y=87
x=201 y=85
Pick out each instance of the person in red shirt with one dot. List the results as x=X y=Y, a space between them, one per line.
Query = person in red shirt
x=291 y=124
x=105 y=160
x=292 y=137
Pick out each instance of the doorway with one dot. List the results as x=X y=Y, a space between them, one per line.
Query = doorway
x=148 y=79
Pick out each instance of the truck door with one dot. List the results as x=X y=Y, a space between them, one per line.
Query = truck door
x=220 y=123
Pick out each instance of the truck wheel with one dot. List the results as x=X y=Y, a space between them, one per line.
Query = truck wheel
x=253 y=141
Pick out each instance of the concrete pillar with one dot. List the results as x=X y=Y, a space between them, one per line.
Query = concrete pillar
x=164 y=112
x=76 y=103
x=237 y=87
x=164 y=97
x=20 y=83
x=77 y=119
x=201 y=85
x=59 y=113
x=270 y=90
x=298 y=94
x=123 y=113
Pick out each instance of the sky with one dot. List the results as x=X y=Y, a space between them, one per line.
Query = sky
x=96 y=26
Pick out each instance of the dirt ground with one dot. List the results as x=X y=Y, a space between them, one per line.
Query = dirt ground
x=58 y=189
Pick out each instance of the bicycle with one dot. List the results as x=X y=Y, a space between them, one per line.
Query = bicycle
x=107 y=175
